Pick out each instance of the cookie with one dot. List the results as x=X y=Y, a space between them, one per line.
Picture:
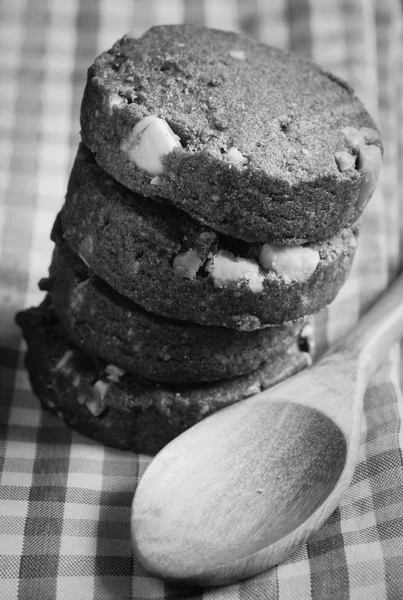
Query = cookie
x=108 y=325
x=254 y=142
x=120 y=409
x=161 y=259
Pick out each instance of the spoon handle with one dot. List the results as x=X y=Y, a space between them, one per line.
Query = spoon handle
x=381 y=325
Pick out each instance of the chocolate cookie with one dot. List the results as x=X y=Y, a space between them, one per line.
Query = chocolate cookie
x=108 y=325
x=120 y=409
x=169 y=264
x=253 y=141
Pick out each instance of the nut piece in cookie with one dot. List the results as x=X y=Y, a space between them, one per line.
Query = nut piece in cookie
x=95 y=403
x=186 y=264
x=151 y=139
x=363 y=143
x=227 y=269
x=290 y=262
x=345 y=160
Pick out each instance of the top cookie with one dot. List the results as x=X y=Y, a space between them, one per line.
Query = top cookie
x=255 y=142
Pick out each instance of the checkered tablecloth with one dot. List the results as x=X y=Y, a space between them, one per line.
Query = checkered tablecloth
x=65 y=500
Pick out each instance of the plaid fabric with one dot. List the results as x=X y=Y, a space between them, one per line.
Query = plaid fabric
x=65 y=500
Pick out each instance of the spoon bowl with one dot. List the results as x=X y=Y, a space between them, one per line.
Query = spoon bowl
x=242 y=489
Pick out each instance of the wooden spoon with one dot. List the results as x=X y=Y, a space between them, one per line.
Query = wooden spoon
x=242 y=489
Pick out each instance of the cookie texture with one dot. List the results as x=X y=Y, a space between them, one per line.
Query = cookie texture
x=255 y=142
x=106 y=324
x=168 y=263
x=120 y=409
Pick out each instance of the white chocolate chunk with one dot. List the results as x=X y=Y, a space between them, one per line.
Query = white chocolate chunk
x=78 y=294
x=235 y=157
x=354 y=137
x=290 y=262
x=186 y=264
x=238 y=54
x=151 y=139
x=62 y=364
x=114 y=373
x=226 y=269
x=115 y=100
x=370 y=163
x=344 y=161
x=96 y=404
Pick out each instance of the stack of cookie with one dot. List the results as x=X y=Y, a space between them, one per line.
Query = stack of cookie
x=211 y=207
